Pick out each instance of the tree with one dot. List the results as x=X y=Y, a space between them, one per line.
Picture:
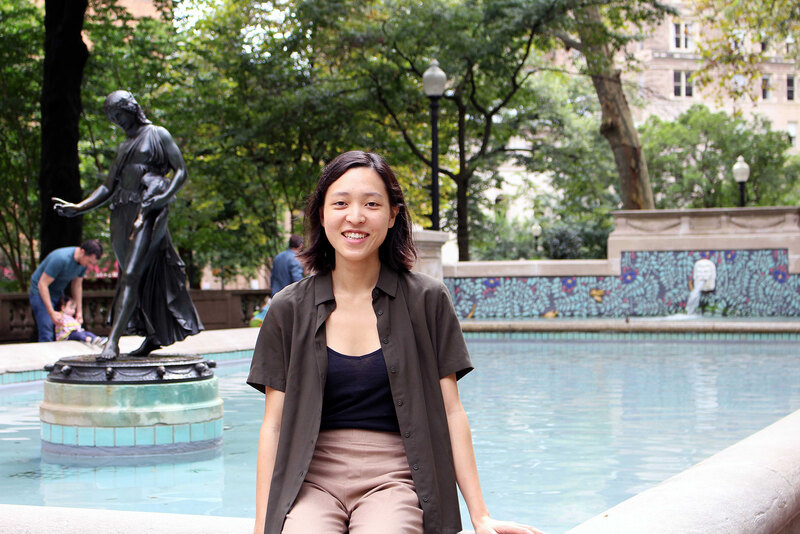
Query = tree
x=570 y=181
x=262 y=111
x=739 y=37
x=65 y=55
x=489 y=51
x=20 y=87
x=600 y=34
x=691 y=160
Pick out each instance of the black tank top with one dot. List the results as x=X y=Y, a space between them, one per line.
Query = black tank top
x=357 y=393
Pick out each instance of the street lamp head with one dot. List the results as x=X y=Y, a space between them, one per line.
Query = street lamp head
x=536 y=229
x=433 y=80
x=741 y=170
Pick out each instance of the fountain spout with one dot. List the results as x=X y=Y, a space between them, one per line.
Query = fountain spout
x=704 y=276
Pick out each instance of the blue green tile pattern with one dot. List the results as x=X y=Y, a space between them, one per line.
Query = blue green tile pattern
x=131 y=436
x=22 y=376
x=750 y=283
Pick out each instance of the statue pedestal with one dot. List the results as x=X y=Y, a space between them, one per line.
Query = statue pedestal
x=130 y=407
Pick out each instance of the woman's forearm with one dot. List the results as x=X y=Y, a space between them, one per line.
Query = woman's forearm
x=463 y=452
x=465 y=465
x=267 y=451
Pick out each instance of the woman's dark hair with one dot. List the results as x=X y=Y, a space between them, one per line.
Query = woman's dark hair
x=397 y=251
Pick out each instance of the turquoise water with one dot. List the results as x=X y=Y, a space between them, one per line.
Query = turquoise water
x=562 y=430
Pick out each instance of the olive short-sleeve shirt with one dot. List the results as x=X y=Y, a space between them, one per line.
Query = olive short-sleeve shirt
x=422 y=343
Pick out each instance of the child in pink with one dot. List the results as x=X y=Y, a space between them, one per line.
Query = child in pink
x=70 y=328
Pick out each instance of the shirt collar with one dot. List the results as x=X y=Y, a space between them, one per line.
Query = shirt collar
x=323 y=288
x=387 y=281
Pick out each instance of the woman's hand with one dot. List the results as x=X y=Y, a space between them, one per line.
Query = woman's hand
x=494 y=526
x=64 y=208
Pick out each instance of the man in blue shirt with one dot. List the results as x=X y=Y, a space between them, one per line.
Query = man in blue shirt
x=286 y=269
x=62 y=267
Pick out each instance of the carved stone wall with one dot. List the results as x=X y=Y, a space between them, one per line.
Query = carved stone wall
x=766 y=228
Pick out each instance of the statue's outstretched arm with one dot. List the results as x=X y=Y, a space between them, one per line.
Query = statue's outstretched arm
x=99 y=196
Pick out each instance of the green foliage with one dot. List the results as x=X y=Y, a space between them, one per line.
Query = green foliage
x=21 y=52
x=508 y=240
x=562 y=242
x=691 y=160
x=264 y=112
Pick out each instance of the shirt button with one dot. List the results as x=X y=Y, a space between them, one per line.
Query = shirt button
x=406 y=434
x=380 y=312
x=425 y=499
x=393 y=369
x=385 y=340
x=400 y=402
x=415 y=467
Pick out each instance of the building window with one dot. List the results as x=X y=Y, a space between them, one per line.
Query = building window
x=766 y=87
x=682 y=83
x=681 y=36
x=791 y=129
x=790 y=87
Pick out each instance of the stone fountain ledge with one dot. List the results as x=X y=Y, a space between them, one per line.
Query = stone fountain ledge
x=639 y=324
x=18 y=519
x=26 y=357
x=752 y=487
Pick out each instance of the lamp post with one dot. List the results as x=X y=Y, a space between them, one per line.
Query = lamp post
x=537 y=231
x=433 y=81
x=741 y=172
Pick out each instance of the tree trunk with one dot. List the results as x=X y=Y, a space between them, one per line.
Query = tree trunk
x=65 y=55
x=617 y=121
x=619 y=130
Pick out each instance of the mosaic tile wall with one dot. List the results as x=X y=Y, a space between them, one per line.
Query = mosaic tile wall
x=750 y=283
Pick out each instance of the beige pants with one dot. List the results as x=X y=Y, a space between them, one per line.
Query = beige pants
x=358 y=482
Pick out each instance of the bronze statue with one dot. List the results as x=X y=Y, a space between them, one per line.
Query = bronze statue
x=151 y=298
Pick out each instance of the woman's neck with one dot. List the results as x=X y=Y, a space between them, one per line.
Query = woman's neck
x=355 y=278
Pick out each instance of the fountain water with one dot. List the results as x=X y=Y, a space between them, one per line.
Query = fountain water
x=694 y=297
x=704 y=277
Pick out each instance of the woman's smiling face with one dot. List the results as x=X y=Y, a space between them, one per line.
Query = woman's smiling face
x=357 y=215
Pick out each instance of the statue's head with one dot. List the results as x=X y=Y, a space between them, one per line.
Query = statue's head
x=123 y=100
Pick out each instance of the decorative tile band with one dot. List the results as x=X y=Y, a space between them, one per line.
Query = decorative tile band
x=749 y=283
x=139 y=436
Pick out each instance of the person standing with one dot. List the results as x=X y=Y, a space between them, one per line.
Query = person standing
x=363 y=428
x=286 y=268
x=62 y=267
